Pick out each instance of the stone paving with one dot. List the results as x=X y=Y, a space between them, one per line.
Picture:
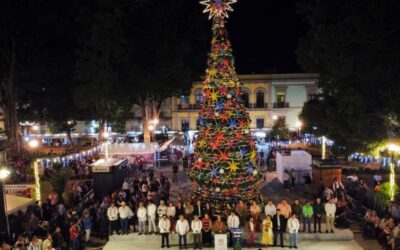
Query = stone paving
x=152 y=242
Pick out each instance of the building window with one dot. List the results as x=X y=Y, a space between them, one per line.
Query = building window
x=259 y=123
x=280 y=97
x=184 y=99
x=245 y=97
x=199 y=96
x=312 y=97
x=185 y=126
x=260 y=99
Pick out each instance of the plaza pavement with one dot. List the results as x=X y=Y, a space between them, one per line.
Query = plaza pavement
x=153 y=242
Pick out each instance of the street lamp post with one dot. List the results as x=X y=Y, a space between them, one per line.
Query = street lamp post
x=299 y=124
x=323 y=151
x=105 y=136
x=274 y=118
x=34 y=144
x=4 y=224
x=393 y=148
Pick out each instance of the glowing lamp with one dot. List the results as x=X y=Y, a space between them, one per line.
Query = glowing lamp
x=33 y=143
x=4 y=173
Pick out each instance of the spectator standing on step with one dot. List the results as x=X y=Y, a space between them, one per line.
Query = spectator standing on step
x=151 y=213
x=293 y=228
x=142 y=218
x=318 y=211
x=164 y=226
x=307 y=214
x=330 y=210
x=197 y=226
x=182 y=228
x=112 y=214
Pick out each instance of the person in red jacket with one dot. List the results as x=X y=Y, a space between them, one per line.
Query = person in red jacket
x=73 y=236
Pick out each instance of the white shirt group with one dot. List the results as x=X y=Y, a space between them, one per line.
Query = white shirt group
x=142 y=214
x=112 y=213
x=125 y=212
x=151 y=210
x=197 y=226
x=270 y=210
x=293 y=225
x=182 y=227
x=164 y=225
x=330 y=209
x=233 y=221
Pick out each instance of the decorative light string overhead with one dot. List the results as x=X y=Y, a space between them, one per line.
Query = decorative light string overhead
x=218 y=8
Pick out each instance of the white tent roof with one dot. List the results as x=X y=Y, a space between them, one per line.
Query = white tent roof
x=297 y=160
x=131 y=148
x=15 y=203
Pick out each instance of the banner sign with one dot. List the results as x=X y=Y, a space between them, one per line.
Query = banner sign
x=23 y=190
x=221 y=242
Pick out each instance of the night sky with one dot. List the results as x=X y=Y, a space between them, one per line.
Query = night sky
x=264 y=36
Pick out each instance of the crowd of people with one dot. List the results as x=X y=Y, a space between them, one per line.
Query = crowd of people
x=143 y=205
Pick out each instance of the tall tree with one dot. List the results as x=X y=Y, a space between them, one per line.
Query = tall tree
x=164 y=54
x=103 y=43
x=45 y=86
x=354 y=47
x=35 y=55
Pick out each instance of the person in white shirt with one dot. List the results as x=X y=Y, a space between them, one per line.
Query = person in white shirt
x=182 y=228
x=112 y=214
x=125 y=213
x=353 y=178
x=233 y=222
x=293 y=226
x=330 y=210
x=162 y=209
x=151 y=213
x=270 y=209
x=197 y=225
x=142 y=218
x=164 y=226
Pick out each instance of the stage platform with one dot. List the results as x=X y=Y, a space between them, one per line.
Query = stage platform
x=341 y=240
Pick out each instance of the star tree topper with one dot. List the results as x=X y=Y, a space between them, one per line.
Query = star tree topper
x=218 y=8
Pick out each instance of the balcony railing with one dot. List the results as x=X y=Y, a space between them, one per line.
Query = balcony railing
x=188 y=106
x=258 y=105
x=280 y=105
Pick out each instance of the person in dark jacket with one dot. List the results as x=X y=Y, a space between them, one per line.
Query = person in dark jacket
x=279 y=227
x=318 y=211
x=296 y=208
x=198 y=209
x=58 y=240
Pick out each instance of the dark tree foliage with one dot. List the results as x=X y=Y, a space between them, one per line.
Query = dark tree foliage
x=354 y=45
x=138 y=52
x=37 y=52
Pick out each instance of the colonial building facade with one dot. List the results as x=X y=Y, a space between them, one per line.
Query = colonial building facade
x=267 y=96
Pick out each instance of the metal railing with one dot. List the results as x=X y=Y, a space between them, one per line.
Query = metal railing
x=279 y=105
x=188 y=106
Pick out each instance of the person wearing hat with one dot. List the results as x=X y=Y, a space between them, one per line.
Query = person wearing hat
x=164 y=225
x=125 y=213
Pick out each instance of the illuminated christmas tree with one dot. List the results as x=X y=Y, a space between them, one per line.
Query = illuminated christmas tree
x=224 y=171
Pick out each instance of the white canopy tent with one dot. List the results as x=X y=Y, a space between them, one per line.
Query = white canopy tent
x=15 y=203
x=131 y=148
x=297 y=160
